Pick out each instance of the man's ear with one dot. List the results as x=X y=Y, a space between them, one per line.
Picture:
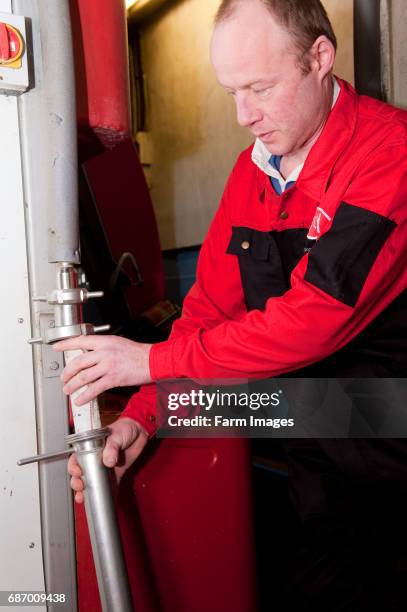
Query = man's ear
x=322 y=56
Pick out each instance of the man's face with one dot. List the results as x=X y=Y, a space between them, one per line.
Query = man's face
x=255 y=61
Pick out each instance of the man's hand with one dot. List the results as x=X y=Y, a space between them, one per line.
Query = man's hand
x=110 y=361
x=122 y=448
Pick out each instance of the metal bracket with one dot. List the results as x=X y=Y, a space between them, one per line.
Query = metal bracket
x=52 y=362
x=76 y=442
x=67 y=300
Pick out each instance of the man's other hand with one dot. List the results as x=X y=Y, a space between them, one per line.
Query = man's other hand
x=109 y=361
x=125 y=443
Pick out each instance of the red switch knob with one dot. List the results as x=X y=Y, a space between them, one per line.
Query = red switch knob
x=11 y=44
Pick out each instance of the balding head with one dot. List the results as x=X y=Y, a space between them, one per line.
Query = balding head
x=304 y=20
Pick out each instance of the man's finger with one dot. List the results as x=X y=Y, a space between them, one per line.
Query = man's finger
x=79 y=497
x=77 y=484
x=84 y=377
x=82 y=362
x=87 y=343
x=74 y=468
x=94 y=389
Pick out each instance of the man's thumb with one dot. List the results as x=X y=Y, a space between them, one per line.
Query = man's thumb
x=111 y=452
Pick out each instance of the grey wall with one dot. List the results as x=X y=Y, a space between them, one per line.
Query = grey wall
x=394 y=50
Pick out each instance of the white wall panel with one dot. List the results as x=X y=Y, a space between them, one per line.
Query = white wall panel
x=21 y=566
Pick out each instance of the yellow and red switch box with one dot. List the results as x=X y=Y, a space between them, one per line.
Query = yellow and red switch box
x=14 y=77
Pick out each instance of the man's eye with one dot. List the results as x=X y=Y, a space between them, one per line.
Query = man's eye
x=263 y=93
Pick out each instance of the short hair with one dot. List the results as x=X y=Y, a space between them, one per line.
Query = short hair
x=305 y=21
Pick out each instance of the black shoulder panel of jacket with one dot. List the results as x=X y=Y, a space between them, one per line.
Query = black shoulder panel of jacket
x=341 y=260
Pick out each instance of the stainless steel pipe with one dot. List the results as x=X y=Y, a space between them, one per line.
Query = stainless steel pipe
x=107 y=550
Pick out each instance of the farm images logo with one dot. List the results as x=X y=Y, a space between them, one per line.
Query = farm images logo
x=238 y=410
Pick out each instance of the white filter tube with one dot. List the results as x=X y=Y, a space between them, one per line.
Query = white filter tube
x=85 y=417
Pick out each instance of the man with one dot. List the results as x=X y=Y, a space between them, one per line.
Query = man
x=303 y=270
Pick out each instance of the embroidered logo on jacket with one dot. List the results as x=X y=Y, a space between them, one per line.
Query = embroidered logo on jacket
x=319 y=224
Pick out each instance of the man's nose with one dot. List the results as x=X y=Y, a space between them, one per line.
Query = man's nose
x=247 y=111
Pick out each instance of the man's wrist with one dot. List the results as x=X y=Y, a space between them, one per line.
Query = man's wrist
x=148 y=348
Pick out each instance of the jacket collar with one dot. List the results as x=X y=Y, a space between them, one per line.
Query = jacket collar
x=337 y=133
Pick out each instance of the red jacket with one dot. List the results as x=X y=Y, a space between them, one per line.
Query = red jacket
x=350 y=203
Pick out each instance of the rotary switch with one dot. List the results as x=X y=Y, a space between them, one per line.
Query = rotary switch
x=11 y=46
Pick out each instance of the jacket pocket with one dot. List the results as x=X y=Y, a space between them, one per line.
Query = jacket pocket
x=248 y=242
